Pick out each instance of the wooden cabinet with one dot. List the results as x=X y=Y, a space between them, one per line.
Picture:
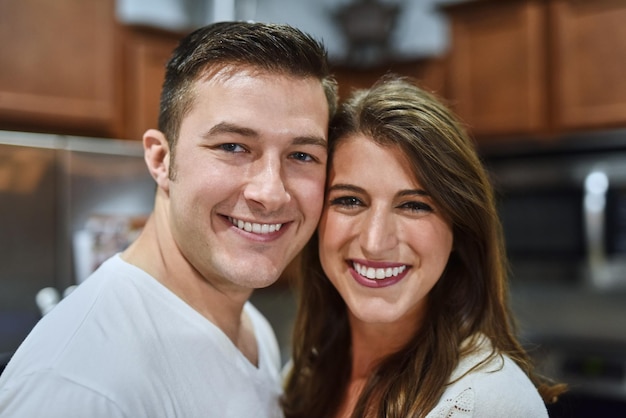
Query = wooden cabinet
x=146 y=53
x=429 y=73
x=59 y=60
x=589 y=53
x=68 y=67
x=497 y=67
x=537 y=67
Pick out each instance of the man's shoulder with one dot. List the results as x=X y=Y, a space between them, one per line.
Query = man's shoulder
x=77 y=330
x=45 y=392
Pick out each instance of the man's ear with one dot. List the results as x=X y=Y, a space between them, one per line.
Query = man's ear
x=156 y=152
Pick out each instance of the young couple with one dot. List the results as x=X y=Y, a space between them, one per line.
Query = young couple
x=402 y=298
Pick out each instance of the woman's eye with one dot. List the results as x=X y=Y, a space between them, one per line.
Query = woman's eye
x=417 y=206
x=346 y=201
x=229 y=147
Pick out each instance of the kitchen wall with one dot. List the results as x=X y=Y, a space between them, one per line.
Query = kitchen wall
x=420 y=30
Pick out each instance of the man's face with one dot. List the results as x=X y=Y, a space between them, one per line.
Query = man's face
x=250 y=166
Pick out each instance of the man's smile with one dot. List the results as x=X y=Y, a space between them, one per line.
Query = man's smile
x=257 y=228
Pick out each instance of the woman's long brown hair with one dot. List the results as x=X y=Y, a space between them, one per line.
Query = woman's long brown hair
x=470 y=297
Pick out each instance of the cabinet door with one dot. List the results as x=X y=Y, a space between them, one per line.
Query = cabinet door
x=429 y=73
x=58 y=66
x=589 y=44
x=147 y=53
x=497 y=67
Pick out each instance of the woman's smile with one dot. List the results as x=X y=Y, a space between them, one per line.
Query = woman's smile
x=384 y=243
x=376 y=274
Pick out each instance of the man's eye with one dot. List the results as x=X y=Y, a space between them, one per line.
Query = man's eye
x=302 y=156
x=232 y=147
x=346 y=201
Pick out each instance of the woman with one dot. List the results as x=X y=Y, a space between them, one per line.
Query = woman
x=403 y=312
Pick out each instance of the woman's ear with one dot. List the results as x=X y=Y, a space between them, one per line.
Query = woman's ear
x=157 y=155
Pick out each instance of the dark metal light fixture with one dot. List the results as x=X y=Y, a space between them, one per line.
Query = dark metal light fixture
x=367 y=26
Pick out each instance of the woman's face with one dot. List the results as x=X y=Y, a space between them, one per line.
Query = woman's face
x=383 y=242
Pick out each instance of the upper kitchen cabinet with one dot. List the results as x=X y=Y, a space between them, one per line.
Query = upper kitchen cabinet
x=537 y=67
x=146 y=53
x=589 y=53
x=429 y=73
x=59 y=62
x=69 y=67
x=497 y=66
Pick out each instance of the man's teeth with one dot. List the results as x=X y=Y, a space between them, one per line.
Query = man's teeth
x=378 y=274
x=254 y=227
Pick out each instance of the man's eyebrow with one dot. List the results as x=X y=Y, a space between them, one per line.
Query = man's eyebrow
x=230 y=128
x=311 y=140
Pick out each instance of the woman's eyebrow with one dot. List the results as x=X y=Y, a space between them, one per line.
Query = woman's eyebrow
x=414 y=192
x=346 y=188
x=357 y=189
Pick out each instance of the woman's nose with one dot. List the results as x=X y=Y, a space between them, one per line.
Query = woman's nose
x=379 y=233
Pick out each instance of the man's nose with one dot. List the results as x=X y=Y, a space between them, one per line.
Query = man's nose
x=266 y=184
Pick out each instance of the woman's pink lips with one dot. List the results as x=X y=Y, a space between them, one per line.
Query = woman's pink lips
x=374 y=283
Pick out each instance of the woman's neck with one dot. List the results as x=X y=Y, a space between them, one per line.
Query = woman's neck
x=373 y=342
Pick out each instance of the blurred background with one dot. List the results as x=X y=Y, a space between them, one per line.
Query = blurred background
x=538 y=83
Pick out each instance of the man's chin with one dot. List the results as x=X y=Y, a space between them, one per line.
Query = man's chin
x=258 y=277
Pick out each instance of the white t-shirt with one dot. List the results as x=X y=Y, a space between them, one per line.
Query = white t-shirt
x=123 y=345
x=496 y=389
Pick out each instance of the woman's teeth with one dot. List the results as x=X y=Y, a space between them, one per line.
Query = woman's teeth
x=378 y=274
x=254 y=227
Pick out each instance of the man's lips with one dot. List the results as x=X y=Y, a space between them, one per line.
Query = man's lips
x=256 y=228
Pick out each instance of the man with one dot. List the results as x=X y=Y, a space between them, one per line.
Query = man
x=164 y=329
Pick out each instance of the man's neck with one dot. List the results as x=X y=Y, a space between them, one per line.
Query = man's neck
x=223 y=307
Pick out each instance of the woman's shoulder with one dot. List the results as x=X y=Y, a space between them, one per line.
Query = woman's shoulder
x=489 y=384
